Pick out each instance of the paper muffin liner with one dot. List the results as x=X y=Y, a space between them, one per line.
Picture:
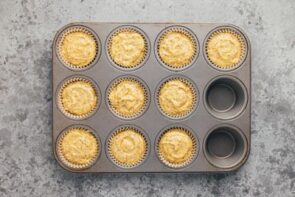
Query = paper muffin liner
x=60 y=103
x=68 y=31
x=122 y=129
x=194 y=92
x=240 y=37
x=68 y=163
x=190 y=159
x=128 y=29
x=184 y=31
x=146 y=96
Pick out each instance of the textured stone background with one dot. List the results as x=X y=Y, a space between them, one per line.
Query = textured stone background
x=27 y=166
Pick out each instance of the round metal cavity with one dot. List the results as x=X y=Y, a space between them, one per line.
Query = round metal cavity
x=221 y=144
x=225 y=97
x=225 y=146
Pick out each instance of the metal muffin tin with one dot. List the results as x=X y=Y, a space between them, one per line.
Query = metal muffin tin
x=221 y=120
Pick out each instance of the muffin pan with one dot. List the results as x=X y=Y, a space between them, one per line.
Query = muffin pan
x=218 y=121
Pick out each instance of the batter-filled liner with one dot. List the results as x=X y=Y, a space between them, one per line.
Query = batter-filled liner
x=177 y=147
x=180 y=55
x=177 y=97
x=87 y=47
x=90 y=91
x=127 y=146
x=80 y=147
x=128 y=47
x=127 y=97
x=225 y=48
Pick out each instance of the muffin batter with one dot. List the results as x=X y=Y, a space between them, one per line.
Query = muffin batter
x=225 y=49
x=127 y=48
x=176 y=146
x=176 y=98
x=176 y=49
x=128 y=147
x=78 y=49
x=127 y=97
x=78 y=98
x=78 y=146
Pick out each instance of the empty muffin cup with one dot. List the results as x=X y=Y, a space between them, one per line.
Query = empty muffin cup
x=225 y=97
x=225 y=146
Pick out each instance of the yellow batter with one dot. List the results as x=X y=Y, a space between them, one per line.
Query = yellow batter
x=127 y=48
x=78 y=98
x=176 y=146
x=224 y=49
x=78 y=49
x=176 y=98
x=176 y=49
x=127 y=97
x=128 y=147
x=78 y=146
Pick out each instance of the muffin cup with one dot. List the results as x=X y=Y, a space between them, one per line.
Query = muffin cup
x=195 y=147
x=193 y=88
x=127 y=28
x=188 y=33
x=241 y=38
x=72 y=29
x=64 y=161
x=146 y=94
x=122 y=129
x=234 y=97
x=70 y=80
x=225 y=146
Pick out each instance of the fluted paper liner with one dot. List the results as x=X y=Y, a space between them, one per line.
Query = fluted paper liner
x=194 y=93
x=146 y=96
x=241 y=39
x=61 y=39
x=185 y=32
x=189 y=160
x=128 y=29
x=60 y=103
x=122 y=129
x=68 y=163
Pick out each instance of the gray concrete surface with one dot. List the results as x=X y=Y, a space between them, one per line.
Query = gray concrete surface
x=27 y=166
